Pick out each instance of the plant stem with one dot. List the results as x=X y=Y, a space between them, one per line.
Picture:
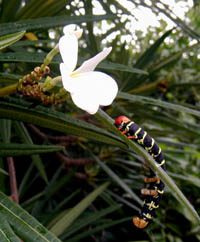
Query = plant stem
x=13 y=181
x=49 y=57
x=55 y=80
x=145 y=88
x=8 y=90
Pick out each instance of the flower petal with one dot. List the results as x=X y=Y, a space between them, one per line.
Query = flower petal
x=68 y=45
x=78 y=33
x=85 y=102
x=66 y=80
x=71 y=29
x=90 y=64
x=93 y=88
x=106 y=87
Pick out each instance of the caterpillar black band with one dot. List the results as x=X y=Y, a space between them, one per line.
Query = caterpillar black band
x=155 y=190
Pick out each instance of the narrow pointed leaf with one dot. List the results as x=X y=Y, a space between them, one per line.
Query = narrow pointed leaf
x=118 y=180
x=23 y=133
x=10 y=39
x=25 y=226
x=98 y=228
x=10 y=10
x=28 y=9
x=6 y=233
x=3 y=172
x=12 y=149
x=73 y=214
x=155 y=102
x=5 y=75
x=95 y=216
x=39 y=58
x=5 y=130
x=120 y=67
x=49 y=22
x=146 y=58
x=149 y=53
x=186 y=28
x=44 y=117
x=49 y=8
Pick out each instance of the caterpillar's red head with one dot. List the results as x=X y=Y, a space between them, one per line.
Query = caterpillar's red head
x=121 y=120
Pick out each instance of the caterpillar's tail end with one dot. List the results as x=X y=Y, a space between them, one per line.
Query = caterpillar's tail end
x=140 y=223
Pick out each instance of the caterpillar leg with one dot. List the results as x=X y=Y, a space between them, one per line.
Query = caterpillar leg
x=139 y=222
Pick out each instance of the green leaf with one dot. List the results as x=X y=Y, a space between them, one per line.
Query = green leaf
x=155 y=102
x=5 y=130
x=6 y=233
x=118 y=180
x=89 y=219
x=35 y=43
x=51 y=189
x=165 y=62
x=39 y=58
x=27 y=57
x=10 y=76
x=163 y=118
x=10 y=39
x=148 y=55
x=146 y=58
x=120 y=67
x=51 y=119
x=26 y=181
x=25 y=226
x=98 y=228
x=190 y=179
x=23 y=133
x=74 y=213
x=29 y=9
x=164 y=8
x=49 y=8
x=3 y=172
x=3 y=178
x=50 y=22
x=67 y=199
x=10 y=10
x=12 y=149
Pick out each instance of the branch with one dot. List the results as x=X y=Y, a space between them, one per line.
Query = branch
x=13 y=181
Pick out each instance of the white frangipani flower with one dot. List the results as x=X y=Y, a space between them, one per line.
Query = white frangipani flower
x=89 y=89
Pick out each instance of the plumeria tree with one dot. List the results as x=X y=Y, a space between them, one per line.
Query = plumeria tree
x=96 y=118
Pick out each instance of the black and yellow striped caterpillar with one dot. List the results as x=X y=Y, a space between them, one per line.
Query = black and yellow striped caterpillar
x=155 y=190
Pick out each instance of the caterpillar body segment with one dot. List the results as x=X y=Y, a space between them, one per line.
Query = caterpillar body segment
x=152 y=179
x=155 y=187
x=140 y=223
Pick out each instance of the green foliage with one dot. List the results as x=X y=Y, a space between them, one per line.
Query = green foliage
x=12 y=149
x=25 y=225
x=10 y=39
x=58 y=160
x=69 y=217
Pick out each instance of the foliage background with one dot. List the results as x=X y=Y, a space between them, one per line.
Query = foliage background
x=56 y=160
